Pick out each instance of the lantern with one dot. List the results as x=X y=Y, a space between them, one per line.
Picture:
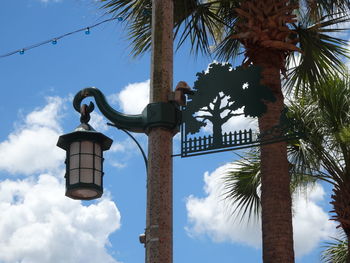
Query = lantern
x=84 y=162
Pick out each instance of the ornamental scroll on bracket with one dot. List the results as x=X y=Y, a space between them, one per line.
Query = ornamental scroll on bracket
x=218 y=95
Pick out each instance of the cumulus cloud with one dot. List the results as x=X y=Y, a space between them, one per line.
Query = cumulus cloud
x=38 y=224
x=240 y=123
x=32 y=147
x=310 y=220
x=133 y=98
x=98 y=122
x=118 y=147
x=125 y=150
x=211 y=216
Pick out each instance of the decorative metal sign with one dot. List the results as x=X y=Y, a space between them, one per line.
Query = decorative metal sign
x=220 y=94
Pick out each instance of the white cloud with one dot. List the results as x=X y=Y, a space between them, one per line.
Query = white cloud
x=47 y=116
x=118 y=147
x=125 y=150
x=118 y=165
x=133 y=98
x=38 y=224
x=32 y=147
x=235 y=123
x=211 y=216
x=310 y=220
x=240 y=123
x=98 y=122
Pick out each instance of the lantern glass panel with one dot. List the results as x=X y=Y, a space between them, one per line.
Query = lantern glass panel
x=87 y=147
x=98 y=150
x=87 y=161
x=98 y=178
x=86 y=175
x=74 y=161
x=74 y=176
x=74 y=148
x=98 y=163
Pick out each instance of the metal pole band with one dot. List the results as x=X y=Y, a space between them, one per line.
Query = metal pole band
x=162 y=114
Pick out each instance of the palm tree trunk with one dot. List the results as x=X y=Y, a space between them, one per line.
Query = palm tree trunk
x=341 y=204
x=276 y=201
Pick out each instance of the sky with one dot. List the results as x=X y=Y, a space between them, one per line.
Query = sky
x=38 y=224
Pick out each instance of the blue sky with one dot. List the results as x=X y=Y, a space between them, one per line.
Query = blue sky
x=38 y=224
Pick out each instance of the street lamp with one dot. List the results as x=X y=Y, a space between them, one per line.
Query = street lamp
x=84 y=162
x=84 y=146
x=84 y=159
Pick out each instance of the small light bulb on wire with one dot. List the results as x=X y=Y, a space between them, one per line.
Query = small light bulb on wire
x=54 y=41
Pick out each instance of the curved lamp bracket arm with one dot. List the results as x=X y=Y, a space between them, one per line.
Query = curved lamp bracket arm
x=135 y=123
x=158 y=114
x=137 y=143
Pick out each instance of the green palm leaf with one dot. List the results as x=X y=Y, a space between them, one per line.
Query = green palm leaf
x=336 y=251
x=242 y=185
x=194 y=20
x=321 y=55
x=323 y=153
x=315 y=9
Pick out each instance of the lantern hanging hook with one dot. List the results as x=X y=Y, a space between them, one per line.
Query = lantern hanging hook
x=85 y=111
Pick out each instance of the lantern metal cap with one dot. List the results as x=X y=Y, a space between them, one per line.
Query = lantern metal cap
x=84 y=132
x=85 y=127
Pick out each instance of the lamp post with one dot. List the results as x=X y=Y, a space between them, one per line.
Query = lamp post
x=159 y=218
x=159 y=120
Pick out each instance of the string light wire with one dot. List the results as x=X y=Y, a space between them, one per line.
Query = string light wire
x=55 y=39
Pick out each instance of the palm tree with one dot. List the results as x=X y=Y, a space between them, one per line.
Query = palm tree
x=269 y=31
x=323 y=153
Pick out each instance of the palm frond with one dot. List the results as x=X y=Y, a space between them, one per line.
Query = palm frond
x=200 y=27
x=326 y=119
x=194 y=20
x=300 y=152
x=321 y=56
x=229 y=48
x=321 y=119
x=336 y=251
x=315 y=9
x=242 y=186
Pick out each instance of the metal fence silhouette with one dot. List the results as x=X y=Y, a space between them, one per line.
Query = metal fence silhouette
x=230 y=139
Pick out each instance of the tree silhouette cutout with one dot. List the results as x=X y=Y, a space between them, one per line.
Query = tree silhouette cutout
x=219 y=93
